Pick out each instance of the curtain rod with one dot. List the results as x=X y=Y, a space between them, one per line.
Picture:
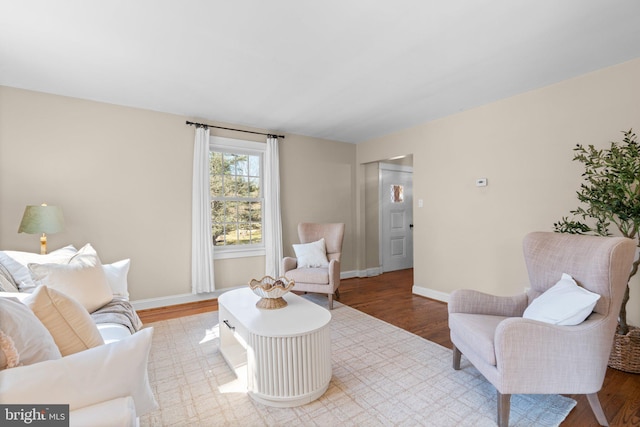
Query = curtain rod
x=204 y=125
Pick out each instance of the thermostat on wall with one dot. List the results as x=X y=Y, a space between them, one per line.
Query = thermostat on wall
x=481 y=182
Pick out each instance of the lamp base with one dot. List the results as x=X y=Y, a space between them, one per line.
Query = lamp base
x=43 y=244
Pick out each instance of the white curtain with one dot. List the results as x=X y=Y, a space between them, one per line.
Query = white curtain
x=201 y=238
x=272 y=233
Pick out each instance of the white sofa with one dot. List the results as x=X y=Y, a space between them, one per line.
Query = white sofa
x=69 y=346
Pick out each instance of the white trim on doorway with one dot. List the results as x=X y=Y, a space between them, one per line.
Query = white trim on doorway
x=389 y=167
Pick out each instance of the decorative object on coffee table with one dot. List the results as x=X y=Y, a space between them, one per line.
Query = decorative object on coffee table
x=270 y=291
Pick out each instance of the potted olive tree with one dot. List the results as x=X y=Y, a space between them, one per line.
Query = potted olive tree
x=610 y=196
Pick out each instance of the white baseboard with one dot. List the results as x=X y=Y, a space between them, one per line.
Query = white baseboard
x=369 y=272
x=430 y=293
x=145 y=304
x=375 y=271
x=349 y=274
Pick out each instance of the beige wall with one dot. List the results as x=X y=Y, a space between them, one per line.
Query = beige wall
x=467 y=236
x=317 y=182
x=123 y=178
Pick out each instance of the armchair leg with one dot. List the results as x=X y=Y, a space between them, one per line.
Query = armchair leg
x=330 y=301
x=456 y=358
x=594 y=402
x=504 y=407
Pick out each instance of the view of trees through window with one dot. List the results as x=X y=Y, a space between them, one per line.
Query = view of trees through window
x=236 y=198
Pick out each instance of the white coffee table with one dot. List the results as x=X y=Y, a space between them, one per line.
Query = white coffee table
x=283 y=354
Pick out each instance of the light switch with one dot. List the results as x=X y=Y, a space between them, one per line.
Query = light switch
x=420 y=203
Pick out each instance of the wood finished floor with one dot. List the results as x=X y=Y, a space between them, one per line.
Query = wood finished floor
x=388 y=297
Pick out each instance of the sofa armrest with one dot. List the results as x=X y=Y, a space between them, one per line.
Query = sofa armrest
x=474 y=302
x=112 y=332
x=119 y=412
x=85 y=378
x=288 y=264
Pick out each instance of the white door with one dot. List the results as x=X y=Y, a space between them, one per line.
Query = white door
x=396 y=217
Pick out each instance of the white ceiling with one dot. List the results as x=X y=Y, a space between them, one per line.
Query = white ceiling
x=345 y=70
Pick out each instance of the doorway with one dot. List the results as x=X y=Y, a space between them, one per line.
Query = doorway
x=396 y=217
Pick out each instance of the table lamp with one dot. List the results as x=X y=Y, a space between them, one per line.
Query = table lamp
x=42 y=219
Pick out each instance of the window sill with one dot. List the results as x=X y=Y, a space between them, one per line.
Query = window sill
x=228 y=253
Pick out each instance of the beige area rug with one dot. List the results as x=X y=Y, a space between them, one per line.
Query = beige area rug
x=382 y=376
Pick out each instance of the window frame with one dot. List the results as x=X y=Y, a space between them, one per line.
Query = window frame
x=240 y=146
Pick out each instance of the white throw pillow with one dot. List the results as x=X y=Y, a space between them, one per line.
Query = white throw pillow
x=31 y=339
x=7 y=283
x=82 y=279
x=92 y=376
x=117 y=277
x=86 y=256
x=565 y=303
x=66 y=319
x=16 y=263
x=311 y=255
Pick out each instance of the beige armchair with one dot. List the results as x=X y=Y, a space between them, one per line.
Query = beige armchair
x=324 y=280
x=523 y=356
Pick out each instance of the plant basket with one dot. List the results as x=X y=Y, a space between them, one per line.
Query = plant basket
x=625 y=353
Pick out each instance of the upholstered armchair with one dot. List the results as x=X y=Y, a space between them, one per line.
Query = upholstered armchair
x=520 y=355
x=316 y=275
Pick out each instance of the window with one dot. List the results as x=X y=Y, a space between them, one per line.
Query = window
x=397 y=193
x=237 y=200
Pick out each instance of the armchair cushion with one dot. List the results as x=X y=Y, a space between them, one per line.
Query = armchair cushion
x=565 y=303
x=478 y=331
x=309 y=275
x=311 y=255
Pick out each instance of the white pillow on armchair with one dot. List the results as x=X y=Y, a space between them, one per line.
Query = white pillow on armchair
x=311 y=255
x=565 y=304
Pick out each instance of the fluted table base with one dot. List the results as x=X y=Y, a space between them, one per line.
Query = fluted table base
x=284 y=354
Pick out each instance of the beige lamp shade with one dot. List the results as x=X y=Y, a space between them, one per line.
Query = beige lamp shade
x=41 y=219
